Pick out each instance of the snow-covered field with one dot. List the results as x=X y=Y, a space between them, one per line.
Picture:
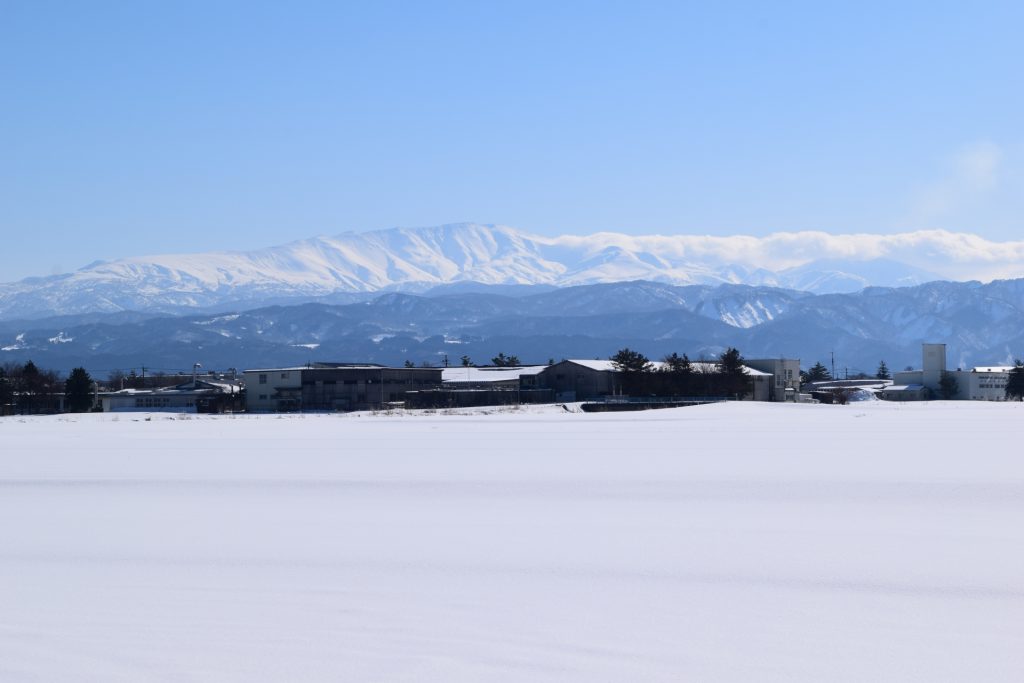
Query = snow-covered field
x=743 y=542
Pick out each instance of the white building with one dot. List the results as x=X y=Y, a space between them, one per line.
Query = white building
x=200 y=395
x=272 y=389
x=785 y=372
x=982 y=383
x=986 y=383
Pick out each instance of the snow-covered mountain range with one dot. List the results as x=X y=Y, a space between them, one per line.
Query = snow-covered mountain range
x=982 y=324
x=351 y=266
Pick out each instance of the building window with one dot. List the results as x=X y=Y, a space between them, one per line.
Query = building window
x=263 y=379
x=284 y=375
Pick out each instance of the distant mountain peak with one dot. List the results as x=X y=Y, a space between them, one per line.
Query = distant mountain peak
x=418 y=259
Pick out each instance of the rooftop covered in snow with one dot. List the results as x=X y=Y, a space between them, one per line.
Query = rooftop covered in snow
x=488 y=374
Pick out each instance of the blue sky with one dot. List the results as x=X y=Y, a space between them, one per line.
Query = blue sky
x=143 y=127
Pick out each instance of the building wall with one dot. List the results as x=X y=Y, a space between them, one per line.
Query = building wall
x=572 y=382
x=905 y=377
x=569 y=381
x=263 y=388
x=145 y=403
x=363 y=388
x=982 y=386
x=333 y=388
x=761 y=388
x=890 y=394
x=933 y=364
x=785 y=375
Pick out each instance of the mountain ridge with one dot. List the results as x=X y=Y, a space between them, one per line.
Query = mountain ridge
x=351 y=266
x=982 y=323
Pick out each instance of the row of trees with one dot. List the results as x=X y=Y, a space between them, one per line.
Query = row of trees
x=679 y=376
x=28 y=389
x=820 y=373
x=499 y=361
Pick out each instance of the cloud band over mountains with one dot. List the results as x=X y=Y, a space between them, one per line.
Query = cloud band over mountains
x=416 y=259
x=954 y=256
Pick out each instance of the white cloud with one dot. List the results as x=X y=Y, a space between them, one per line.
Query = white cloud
x=957 y=256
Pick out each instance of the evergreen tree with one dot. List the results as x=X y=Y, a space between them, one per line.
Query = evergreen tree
x=1015 y=383
x=731 y=362
x=948 y=386
x=78 y=391
x=676 y=377
x=29 y=386
x=734 y=376
x=503 y=361
x=627 y=360
x=33 y=388
x=29 y=372
x=6 y=392
x=883 y=371
x=115 y=379
x=466 y=362
x=678 y=364
x=409 y=364
x=819 y=373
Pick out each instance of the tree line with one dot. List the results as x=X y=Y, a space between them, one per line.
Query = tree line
x=26 y=389
x=679 y=376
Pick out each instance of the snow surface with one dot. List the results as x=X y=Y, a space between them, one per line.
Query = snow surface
x=732 y=542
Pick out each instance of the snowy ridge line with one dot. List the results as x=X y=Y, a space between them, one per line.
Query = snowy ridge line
x=416 y=259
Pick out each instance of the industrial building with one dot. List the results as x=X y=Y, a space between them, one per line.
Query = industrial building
x=334 y=386
x=579 y=380
x=981 y=383
x=208 y=395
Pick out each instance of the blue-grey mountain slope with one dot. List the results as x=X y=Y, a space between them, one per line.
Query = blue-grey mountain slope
x=981 y=323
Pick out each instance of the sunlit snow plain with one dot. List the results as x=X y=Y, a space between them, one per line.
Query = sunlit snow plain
x=741 y=542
